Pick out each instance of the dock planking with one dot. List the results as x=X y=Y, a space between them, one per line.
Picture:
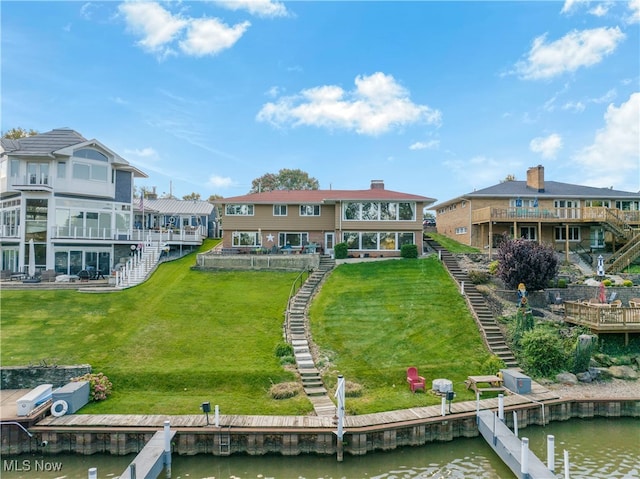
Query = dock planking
x=282 y=423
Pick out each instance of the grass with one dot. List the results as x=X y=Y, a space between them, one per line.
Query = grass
x=188 y=336
x=375 y=319
x=452 y=245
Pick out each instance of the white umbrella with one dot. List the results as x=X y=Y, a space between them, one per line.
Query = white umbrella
x=32 y=259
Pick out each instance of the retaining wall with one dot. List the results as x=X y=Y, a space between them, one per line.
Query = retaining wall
x=357 y=441
x=28 y=377
x=286 y=262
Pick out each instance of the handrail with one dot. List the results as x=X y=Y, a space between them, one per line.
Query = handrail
x=292 y=294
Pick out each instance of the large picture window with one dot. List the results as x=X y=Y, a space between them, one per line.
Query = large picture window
x=294 y=240
x=239 y=210
x=561 y=233
x=366 y=240
x=379 y=211
x=246 y=238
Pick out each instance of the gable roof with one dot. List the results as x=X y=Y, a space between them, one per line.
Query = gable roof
x=174 y=207
x=552 y=189
x=43 y=144
x=324 y=196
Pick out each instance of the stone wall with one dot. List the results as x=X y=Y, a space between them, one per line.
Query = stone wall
x=29 y=377
x=284 y=262
x=540 y=299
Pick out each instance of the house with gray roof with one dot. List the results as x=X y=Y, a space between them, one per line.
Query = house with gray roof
x=570 y=217
x=373 y=222
x=74 y=198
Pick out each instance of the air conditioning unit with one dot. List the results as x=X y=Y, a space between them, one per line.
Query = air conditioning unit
x=33 y=399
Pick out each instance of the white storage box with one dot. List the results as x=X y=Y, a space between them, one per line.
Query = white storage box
x=33 y=399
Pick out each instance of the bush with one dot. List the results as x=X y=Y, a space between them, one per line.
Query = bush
x=607 y=282
x=493 y=267
x=627 y=283
x=409 y=251
x=492 y=365
x=341 y=250
x=99 y=385
x=542 y=352
x=283 y=349
x=562 y=283
x=528 y=262
x=284 y=390
x=478 y=277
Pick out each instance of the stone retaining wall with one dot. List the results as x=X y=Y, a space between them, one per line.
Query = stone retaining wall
x=28 y=377
x=541 y=299
x=285 y=262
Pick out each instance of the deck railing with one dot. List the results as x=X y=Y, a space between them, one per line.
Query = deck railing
x=189 y=234
x=551 y=215
x=603 y=317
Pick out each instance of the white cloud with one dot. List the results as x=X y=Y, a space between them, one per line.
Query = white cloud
x=261 y=8
x=147 y=152
x=425 y=145
x=215 y=181
x=547 y=146
x=634 y=16
x=156 y=25
x=208 y=36
x=480 y=171
x=577 y=106
x=614 y=157
x=376 y=105
x=159 y=29
x=570 y=5
x=575 y=50
x=600 y=10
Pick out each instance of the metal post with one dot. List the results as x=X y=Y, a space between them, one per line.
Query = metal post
x=132 y=471
x=566 y=464
x=495 y=438
x=167 y=449
x=477 y=408
x=340 y=431
x=501 y=407
x=524 y=458
x=443 y=406
x=93 y=473
x=515 y=423
x=551 y=463
x=217 y=416
x=462 y=288
x=439 y=255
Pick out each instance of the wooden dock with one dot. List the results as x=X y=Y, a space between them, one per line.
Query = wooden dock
x=149 y=462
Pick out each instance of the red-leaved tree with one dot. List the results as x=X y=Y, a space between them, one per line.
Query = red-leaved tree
x=528 y=262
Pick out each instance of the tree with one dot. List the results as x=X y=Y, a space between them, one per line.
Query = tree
x=214 y=197
x=16 y=133
x=286 y=179
x=509 y=177
x=528 y=262
x=192 y=196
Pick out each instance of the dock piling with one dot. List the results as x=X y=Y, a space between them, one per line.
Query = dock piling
x=167 y=449
x=524 y=458
x=92 y=473
x=551 y=462
x=566 y=464
x=515 y=423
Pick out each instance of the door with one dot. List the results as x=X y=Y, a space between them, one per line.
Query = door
x=328 y=242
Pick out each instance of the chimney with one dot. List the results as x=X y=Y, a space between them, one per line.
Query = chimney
x=535 y=178
x=377 y=184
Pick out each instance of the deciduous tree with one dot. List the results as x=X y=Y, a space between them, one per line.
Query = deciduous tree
x=16 y=133
x=285 y=179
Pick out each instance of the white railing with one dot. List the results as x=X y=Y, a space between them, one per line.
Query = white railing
x=194 y=234
x=137 y=268
x=9 y=231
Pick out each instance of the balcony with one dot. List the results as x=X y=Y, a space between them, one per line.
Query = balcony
x=10 y=231
x=555 y=215
x=31 y=182
x=188 y=235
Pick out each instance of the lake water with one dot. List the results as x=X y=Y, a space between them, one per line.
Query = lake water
x=598 y=448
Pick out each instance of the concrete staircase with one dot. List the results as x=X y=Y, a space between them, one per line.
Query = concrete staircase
x=492 y=334
x=297 y=334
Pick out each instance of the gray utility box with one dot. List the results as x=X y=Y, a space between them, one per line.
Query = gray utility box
x=75 y=394
x=515 y=381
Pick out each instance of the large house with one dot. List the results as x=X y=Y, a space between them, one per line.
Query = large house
x=75 y=199
x=571 y=217
x=374 y=222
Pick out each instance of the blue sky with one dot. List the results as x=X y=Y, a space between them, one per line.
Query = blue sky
x=434 y=98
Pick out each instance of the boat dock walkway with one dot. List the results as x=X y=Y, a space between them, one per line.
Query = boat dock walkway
x=148 y=464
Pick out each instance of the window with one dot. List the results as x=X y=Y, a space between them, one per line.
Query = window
x=309 y=210
x=379 y=211
x=81 y=171
x=461 y=230
x=295 y=240
x=239 y=210
x=561 y=233
x=14 y=168
x=597 y=203
x=85 y=171
x=376 y=241
x=528 y=232
x=90 y=154
x=62 y=170
x=245 y=238
x=279 y=210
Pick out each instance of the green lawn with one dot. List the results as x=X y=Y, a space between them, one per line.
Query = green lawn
x=188 y=336
x=375 y=319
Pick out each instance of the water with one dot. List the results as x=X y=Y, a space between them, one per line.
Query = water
x=598 y=448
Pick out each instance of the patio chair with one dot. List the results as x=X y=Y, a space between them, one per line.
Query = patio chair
x=612 y=297
x=616 y=303
x=415 y=381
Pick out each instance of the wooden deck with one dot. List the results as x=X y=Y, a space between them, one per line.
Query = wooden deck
x=382 y=420
x=602 y=318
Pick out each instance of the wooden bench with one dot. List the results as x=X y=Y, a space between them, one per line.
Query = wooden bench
x=494 y=384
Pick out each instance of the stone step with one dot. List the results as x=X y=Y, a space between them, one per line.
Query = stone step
x=312 y=384
x=300 y=349
x=299 y=342
x=309 y=372
x=303 y=357
x=305 y=364
x=315 y=391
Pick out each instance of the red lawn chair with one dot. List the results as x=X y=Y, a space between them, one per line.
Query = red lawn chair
x=415 y=381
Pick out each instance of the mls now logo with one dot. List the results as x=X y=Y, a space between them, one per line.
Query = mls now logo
x=27 y=465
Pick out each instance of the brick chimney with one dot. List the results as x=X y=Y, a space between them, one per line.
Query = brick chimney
x=535 y=178
x=377 y=184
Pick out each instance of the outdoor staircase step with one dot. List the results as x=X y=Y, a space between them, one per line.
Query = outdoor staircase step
x=315 y=391
x=309 y=372
x=298 y=336
x=299 y=342
x=300 y=349
x=305 y=364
